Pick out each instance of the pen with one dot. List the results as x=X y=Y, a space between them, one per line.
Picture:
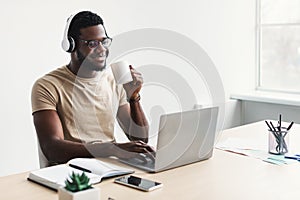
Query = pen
x=295 y=157
x=268 y=125
x=80 y=168
x=279 y=122
x=290 y=126
x=274 y=129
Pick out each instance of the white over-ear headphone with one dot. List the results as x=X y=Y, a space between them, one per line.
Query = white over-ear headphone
x=68 y=43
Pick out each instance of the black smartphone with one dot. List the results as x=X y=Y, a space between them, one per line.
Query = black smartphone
x=138 y=183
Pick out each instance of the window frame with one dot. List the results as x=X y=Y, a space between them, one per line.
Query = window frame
x=258 y=46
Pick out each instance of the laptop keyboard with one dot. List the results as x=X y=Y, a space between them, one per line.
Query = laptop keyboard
x=142 y=161
x=145 y=162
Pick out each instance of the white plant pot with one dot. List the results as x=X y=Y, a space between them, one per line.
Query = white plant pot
x=89 y=194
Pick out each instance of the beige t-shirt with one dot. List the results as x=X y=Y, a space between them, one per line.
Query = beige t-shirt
x=87 y=107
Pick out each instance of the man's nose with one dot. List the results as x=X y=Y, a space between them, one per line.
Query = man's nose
x=100 y=48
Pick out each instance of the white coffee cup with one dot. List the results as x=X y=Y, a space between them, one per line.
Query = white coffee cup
x=121 y=72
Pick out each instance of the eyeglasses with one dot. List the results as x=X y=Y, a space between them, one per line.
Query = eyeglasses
x=92 y=44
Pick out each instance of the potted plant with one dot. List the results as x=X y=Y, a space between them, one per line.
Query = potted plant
x=78 y=188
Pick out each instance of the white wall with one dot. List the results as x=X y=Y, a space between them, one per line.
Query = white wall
x=255 y=111
x=31 y=32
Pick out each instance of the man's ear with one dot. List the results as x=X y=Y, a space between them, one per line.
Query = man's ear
x=74 y=55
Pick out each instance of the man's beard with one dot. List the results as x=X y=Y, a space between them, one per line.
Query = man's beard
x=86 y=63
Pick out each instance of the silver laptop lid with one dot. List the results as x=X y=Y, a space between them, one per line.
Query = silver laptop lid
x=185 y=137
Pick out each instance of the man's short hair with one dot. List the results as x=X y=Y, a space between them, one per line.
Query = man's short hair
x=82 y=20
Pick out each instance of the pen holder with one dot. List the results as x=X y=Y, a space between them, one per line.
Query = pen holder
x=278 y=141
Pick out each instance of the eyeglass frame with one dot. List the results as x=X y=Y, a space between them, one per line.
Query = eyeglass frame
x=86 y=42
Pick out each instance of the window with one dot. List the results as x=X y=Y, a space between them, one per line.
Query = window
x=278 y=42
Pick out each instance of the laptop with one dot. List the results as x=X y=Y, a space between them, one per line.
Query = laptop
x=183 y=138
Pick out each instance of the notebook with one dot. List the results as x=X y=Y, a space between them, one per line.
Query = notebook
x=183 y=138
x=55 y=176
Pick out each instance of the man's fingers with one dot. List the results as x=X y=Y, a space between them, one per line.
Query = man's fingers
x=136 y=76
x=137 y=149
x=146 y=149
x=144 y=145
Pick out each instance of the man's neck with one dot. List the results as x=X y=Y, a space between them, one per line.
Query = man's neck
x=74 y=67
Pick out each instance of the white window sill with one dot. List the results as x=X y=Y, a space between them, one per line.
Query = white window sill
x=268 y=97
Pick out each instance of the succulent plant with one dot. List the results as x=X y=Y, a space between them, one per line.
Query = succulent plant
x=77 y=182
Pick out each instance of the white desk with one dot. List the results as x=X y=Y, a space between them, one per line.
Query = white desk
x=224 y=176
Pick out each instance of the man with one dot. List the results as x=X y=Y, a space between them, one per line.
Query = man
x=75 y=106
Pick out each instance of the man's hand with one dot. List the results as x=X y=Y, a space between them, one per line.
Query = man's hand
x=133 y=88
x=134 y=149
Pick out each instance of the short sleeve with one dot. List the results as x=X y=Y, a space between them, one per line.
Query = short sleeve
x=43 y=96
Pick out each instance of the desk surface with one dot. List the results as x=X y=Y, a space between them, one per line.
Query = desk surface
x=224 y=176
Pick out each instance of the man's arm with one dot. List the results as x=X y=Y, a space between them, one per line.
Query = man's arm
x=51 y=138
x=131 y=117
x=58 y=150
x=133 y=121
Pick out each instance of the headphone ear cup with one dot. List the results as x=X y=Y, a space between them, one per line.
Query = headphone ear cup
x=71 y=45
x=68 y=43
